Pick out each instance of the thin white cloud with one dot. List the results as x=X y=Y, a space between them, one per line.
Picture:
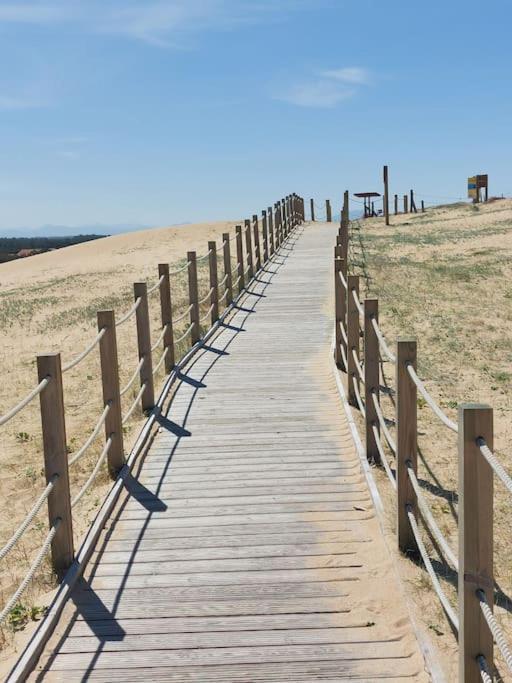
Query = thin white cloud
x=328 y=88
x=20 y=102
x=157 y=22
x=319 y=94
x=356 y=75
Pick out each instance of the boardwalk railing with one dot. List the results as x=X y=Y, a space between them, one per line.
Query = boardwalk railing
x=360 y=351
x=198 y=319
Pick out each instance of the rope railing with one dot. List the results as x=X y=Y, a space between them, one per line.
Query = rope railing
x=382 y=422
x=29 y=518
x=86 y=351
x=224 y=279
x=383 y=457
x=160 y=337
x=92 y=436
x=206 y=297
x=429 y=520
x=359 y=399
x=180 y=270
x=183 y=315
x=382 y=341
x=31 y=572
x=25 y=401
x=207 y=314
x=358 y=303
x=450 y=613
x=134 y=376
x=226 y=292
x=134 y=404
x=185 y=334
x=343 y=333
x=485 y=673
x=129 y=314
x=495 y=629
x=342 y=279
x=343 y=356
x=93 y=474
x=358 y=365
x=157 y=367
x=494 y=463
x=204 y=256
x=430 y=401
x=156 y=286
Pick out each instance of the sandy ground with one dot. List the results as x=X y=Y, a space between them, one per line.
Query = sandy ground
x=444 y=278
x=48 y=303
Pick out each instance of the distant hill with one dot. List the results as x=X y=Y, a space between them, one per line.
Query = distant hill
x=50 y=230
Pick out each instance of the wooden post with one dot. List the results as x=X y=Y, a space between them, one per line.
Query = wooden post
x=265 y=235
x=386 y=196
x=312 y=207
x=193 y=297
x=270 y=215
x=346 y=209
x=166 y=314
x=248 y=246
x=257 y=250
x=371 y=376
x=285 y=218
x=340 y=299
x=413 y=203
x=475 y=539
x=406 y=441
x=140 y=289
x=422 y=206
x=240 y=258
x=353 y=333
x=277 y=209
x=328 y=212
x=396 y=205
x=214 y=282
x=56 y=460
x=226 y=250
x=111 y=396
x=406 y=208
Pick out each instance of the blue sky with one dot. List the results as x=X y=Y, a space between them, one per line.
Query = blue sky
x=166 y=111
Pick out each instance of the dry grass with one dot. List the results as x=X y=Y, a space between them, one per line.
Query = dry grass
x=444 y=277
x=49 y=303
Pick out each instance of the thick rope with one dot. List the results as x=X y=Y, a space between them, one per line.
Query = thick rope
x=429 y=519
x=226 y=292
x=382 y=422
x=494 y=463
x=93 y=474
x=160 y=337
x=343 y=333
x=343 y=281
x=185 y=334
x=134 y=404
x=25 y=401
x=358 y=365
x=162 y=358
x=86 y=351
x=29 y=518
x=485 y=673
x=93 y=435
x=359 y=399
x=450 y=613
x=382 y=341
x=31 y=572
x=133 y=377
x=428 y=398
x=343 y=356
x=495 y=628
x=180 y=270
x=184 y=315
x=358 y=303
x=156 y=285
x=383 y=458
x=205 y=298
x=130 y=312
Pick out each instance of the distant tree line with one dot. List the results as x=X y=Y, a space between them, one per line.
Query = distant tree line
x=12 y=245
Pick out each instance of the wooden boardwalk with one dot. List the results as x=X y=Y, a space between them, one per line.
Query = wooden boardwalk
x=247 y=548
